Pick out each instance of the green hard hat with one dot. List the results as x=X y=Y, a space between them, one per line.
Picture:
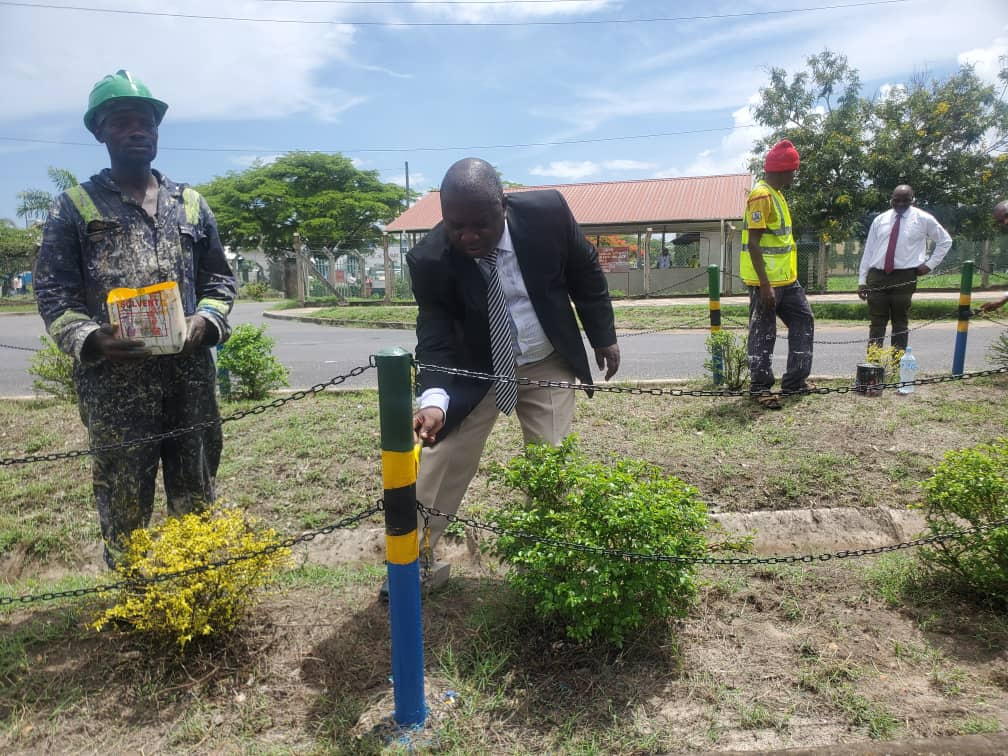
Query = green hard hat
x=120 y=86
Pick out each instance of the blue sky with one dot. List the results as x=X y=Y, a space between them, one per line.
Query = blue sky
x=548 y=91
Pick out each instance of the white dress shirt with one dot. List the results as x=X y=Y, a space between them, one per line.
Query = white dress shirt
x=916 y=227
x=530 y=341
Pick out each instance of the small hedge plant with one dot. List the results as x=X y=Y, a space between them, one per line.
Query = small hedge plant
x=255 y=290
x=204 y=603
x=970 y=488
x=734 y=357
x=52 y=369
x=888 y=357
x=252 y=369
x=629 y=507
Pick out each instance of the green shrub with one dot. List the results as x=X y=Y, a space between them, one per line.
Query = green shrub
x=255 y=290
x=970 y=488
x=734 y=357
x=248 y=358
x=631 y=507
x=999 y=350
x=206 y=602
x=52 y=369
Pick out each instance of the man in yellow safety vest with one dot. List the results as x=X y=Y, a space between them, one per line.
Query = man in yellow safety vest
x=769 y=266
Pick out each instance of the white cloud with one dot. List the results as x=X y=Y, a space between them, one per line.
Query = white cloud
x=627 y=165
x=566 y=169
x=987 y=61
x=247 y=161
x=416 y=180
x=484 y=11
x=204 y=70
x=733 y=153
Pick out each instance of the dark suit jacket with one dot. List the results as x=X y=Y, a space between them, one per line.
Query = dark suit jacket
x=559 y=266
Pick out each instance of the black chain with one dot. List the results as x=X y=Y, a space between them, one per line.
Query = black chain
x=685 y=326
x=925 y=324
x=976 y=312
x=137 y=584
x=676 y=285
x=257 y=410
x=21 y=348
x=658 y=391
x=642 y=557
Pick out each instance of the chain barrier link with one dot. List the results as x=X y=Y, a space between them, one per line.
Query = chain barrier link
x=676 y=285
x=685 y=326
x=19 y=348
x=710 y=561
x=659 y=391
x=257 y=410
x=135 y=585
x=782 y=334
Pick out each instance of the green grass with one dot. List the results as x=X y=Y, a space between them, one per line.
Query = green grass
x=938 y=281
x=306 y=667
x=644 y=317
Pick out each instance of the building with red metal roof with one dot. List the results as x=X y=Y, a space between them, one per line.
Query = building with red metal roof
x=702 y=211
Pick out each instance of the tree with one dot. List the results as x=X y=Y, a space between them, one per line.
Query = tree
x=323 y=197
x=34 y=204
x=17 y=250
x=947 y=139
x=822 y=112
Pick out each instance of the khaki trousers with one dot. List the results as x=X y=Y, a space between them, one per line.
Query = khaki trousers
x=447 y=468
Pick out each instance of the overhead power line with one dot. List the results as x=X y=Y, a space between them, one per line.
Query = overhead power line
x=537 y=22
x=516 y=145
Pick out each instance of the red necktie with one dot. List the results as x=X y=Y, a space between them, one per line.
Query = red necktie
x=890 y=253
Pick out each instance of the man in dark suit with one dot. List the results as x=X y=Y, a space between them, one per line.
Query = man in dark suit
x=527 y=246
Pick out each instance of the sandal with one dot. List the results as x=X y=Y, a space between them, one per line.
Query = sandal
x=769 y=401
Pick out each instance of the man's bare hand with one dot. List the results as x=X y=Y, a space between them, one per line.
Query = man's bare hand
x=767 y=297
x=608 y=358
x=426 y=424
x=862 y=292
x=196 y=333
x=105 y=344
x=993 y=304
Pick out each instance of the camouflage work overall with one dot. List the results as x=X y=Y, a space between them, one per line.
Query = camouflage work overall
x=96 y=239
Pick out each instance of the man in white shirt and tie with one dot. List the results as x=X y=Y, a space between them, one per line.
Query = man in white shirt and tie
x=895 y=254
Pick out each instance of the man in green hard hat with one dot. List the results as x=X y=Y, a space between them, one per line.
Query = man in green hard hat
x=131 y=227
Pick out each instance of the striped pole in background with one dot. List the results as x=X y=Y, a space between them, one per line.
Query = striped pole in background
x=714 y=294
x=962 y=327
x=402 y=545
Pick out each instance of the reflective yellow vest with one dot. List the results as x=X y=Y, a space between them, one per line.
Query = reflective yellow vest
x=780 y=254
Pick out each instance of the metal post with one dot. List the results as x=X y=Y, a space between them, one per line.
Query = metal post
x=714 y=295
x=965 y=298
x=402 y=545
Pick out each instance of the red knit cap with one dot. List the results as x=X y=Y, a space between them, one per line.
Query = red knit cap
x=782 y=157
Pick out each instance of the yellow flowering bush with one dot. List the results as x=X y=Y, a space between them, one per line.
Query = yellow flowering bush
x=206 y=601
x=888 y=357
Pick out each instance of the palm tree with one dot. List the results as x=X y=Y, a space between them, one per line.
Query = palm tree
x=34 y=204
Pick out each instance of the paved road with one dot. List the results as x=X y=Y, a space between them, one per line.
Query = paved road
x=314 y=353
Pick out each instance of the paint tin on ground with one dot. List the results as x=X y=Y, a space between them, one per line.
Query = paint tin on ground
x=870 y=378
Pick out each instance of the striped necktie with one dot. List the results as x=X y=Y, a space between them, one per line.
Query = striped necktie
x=501 y=348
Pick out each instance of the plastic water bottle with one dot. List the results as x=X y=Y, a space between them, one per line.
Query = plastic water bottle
x=907 y=371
